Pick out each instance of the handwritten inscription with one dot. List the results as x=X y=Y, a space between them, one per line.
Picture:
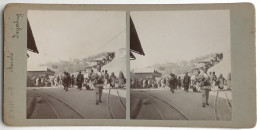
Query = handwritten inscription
x=9 y=61
x=17 y=26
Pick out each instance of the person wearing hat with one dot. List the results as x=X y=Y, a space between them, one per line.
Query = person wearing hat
x=98 y=83
x=205 y=86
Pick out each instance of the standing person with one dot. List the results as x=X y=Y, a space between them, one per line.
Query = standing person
x=98 y=82
x=33 y=81
x=175 y=82
x=106 y=76
x=221 y=82
x=158 y=81
x=133 y=83
x=144 y=83
x=171 y=82
x=112 y=80
x=210 y=77
x=154 y=85
x=66 y=81
x=89 y=80
x=186 y=82
x=205 y=86
x=39 y=81
x=69 y=79
x=139 y=82
x=150 y=82
x=193 y=83
x=80 y=79
x=214 y=81
x=229 y=81
x=167 y=83
x=58 y=80
x=163 y=83
x=55 y=81
x=121 y=80
x=72 y=81
x=179 y=82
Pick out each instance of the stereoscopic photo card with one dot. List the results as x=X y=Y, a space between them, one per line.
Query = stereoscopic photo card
x=130 y=65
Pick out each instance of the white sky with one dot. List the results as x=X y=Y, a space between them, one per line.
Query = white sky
x=64 y=35
x=180 y=35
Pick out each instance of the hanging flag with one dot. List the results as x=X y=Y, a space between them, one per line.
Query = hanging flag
x=135 y=44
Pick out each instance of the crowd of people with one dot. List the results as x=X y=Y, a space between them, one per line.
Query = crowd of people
x=39 y=81
x=86 y=80
x=96 y=80
x=199 y=80
x=185 y=82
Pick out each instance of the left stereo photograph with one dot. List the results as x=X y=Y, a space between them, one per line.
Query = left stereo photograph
x=76 y=64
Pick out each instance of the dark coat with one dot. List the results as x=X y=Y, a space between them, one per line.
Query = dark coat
x=80 y=78
x=186 y=80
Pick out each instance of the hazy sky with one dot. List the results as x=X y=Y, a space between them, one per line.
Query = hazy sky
x=64 y=35
x=180 y=35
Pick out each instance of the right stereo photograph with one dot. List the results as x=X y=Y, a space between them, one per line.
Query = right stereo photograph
x=180 y=65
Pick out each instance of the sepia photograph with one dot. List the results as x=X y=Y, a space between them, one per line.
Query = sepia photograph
x=180 y=65
x=76 y=64
x=157 y=65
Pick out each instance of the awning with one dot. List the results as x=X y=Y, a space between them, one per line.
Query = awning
x=31 y=46
x=135 y=44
